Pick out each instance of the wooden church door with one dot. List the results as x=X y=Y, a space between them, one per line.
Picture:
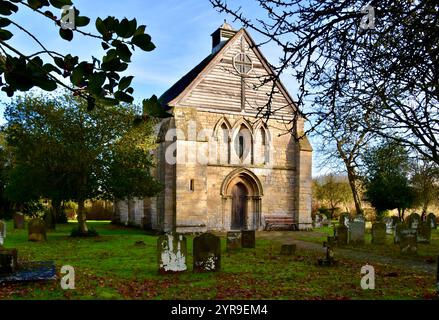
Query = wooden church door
x=239 y=207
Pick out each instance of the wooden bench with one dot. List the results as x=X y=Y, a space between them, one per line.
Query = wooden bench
x=280 y=223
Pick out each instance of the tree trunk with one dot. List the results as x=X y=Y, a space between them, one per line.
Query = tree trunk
x=352 y=183
x=82 y=218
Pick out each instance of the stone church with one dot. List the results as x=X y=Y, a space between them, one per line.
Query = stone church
x=223 y=166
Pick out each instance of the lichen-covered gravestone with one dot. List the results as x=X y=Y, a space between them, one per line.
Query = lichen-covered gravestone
x=357 y=228
x=2 y=233
x=37 y=230
x=341 y=235
x=379 y=233
x=400 y=226
x=414 y=220
x=18 y=221
x=234 y=241
x=408 y=242
x=431 y=218
x=207 y=253
x=248 y=239
x=424 y=232
x=172 y=252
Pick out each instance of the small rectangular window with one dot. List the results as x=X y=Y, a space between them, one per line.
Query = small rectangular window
x=192 y=185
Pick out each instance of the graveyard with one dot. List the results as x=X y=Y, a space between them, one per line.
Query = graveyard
x=123 y=263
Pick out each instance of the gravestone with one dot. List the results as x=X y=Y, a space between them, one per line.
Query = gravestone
x=288 y=249
x=18 y=221
x=2 y=233
x=341 y=235
x=408 y=241
x=357 y=228
x=379 y=233
x=326 y=222
x=331 y=241
x=431 y=218
x=424 y=232
x=329 y=259
x=37 y=230
x=8 y=261
x=414 y=220
x=390 y=225
x=233 y=240
x=172 y=252
x=318 y=221
x=400 y=226
x=344 y=219
x=207 y=253
x=248 y=239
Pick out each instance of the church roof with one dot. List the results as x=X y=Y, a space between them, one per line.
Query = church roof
x=181 y=85
x=186 y=80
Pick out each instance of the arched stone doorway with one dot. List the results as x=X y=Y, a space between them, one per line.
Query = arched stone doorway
x=242 y=193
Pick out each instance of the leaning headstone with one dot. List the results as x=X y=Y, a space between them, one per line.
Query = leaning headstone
x=341 y=235
x=18 y=221
x=172 y=252
x=2 y=233
x=207 y=253
x=8 y=261
x=379 y=233
x=288 y=249
x=424 y=232
x=408 y=242
x=431 y=218
x=233 y=240
x=248 y=239
x=400 y=226
x=357 y=228
x=37 y=230
x=414 y=220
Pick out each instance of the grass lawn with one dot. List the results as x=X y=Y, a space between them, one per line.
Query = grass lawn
x=112 y=266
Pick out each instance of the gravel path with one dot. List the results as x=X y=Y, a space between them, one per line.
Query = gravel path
x=357 y=254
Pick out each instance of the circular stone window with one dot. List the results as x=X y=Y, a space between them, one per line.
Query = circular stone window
x=242 y=63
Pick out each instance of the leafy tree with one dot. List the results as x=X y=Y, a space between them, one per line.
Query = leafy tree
x=99 y=81
x=425 y=181
x=5 y=159
x=379 y=58
x=62 y=152
x=386 y=172
x=333 y=191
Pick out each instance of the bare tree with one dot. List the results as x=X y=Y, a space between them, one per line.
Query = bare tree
x=380 y=58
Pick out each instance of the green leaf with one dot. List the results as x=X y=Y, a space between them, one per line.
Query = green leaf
x=7 y=8
x=105 y=46
x=77 y=76
x=60 y=3
x=4 y=22
x=125 y=82
x=95 y=83
x=100 y=26
x=124 y=52
x=5 y=35
x=124 y=97
x=82 y=21
x=143 y=41
x=124 y=29
x=66 y=34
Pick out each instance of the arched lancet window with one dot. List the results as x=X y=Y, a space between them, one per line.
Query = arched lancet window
x=243 y=144
x=264 y=148
x=224 y=149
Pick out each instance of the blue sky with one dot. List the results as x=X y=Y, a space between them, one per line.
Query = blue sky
x=180 y=29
